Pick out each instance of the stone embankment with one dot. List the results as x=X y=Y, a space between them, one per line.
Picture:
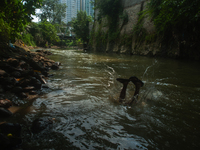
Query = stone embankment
x=135 y=34
x=22 y=76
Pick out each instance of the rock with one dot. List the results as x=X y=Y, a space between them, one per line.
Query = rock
x=48 y=53
x=4 y=141
x=8 y=87
x=57 y=63
x=16 y=74
x=48 y=64
x=1 y=89
x=23 y=95
x=25 y=82
x=32 y=92
x=40 y=124
x=44 y=52
x=39 y=51
x=5 y=103
x=35 y=65
x=8 y=68
x=8 y=81
x=1 y=96
x=13 y=128
x=38 y=75
x=10 y=135
x=37 y=84
x=27 y=89
x=24 y=65
x=5 y=113
x=50 y=75
x=13 y=62
x=45 y=86
x=3 y=73
x=26 y=73
x=45 y=73
x=17 y=89
x=42 y=80
x=33 y=80
x=55 y=66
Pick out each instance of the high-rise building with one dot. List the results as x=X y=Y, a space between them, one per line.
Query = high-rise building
x=73 y=6
x=87 y=5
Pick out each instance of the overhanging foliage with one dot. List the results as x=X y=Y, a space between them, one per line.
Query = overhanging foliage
x=14 y=15
x=179 y=21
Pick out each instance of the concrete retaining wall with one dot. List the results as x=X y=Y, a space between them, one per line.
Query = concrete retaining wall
x=129 y=3
x=131 y=8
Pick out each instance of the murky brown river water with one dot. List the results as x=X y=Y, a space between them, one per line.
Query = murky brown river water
x=83 y=98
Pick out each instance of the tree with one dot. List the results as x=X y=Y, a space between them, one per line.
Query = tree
x=178 y=21
x=43 y=33
x=53 y=11
x=108 y=7
x=112 y=10
x=14 y=16
x=81 y=26
x=170 y=13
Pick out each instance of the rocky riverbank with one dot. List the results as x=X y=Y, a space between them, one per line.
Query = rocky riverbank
x=23 y=74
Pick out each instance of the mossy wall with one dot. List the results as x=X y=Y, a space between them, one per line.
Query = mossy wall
x=136 y=33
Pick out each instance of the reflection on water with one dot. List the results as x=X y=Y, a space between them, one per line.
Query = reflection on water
x=83 y=98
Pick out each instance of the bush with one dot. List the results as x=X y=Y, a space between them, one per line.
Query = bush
x=178 y=22
x=43 y=33
x=80 y=25
x=14 y=16
x=28 y=39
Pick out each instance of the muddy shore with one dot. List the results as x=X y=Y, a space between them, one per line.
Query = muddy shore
x=23 y=75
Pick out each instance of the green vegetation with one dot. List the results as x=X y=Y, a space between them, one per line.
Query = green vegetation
x=28 y=39
x=177 y=22
x=14 y=16
x=52 y=11
x=139 y=31
x=80 y=26
x=108 y=8
x=176 y=25
x=15 y=22
x=111 y=9
x=42 y=34
x=170 y=14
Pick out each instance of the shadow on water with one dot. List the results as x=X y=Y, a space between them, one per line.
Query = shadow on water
x=83 y=99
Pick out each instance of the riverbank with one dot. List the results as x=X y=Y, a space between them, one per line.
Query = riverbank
x=134 y=32
x=23 y=75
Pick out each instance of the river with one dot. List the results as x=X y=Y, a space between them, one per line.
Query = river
x=83 y=100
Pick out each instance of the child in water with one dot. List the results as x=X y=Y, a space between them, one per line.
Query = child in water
x=138 y=84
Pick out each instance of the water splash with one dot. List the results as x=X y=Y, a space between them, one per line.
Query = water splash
x=145 y=72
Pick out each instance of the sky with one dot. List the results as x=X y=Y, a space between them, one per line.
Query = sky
x=36 y=19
